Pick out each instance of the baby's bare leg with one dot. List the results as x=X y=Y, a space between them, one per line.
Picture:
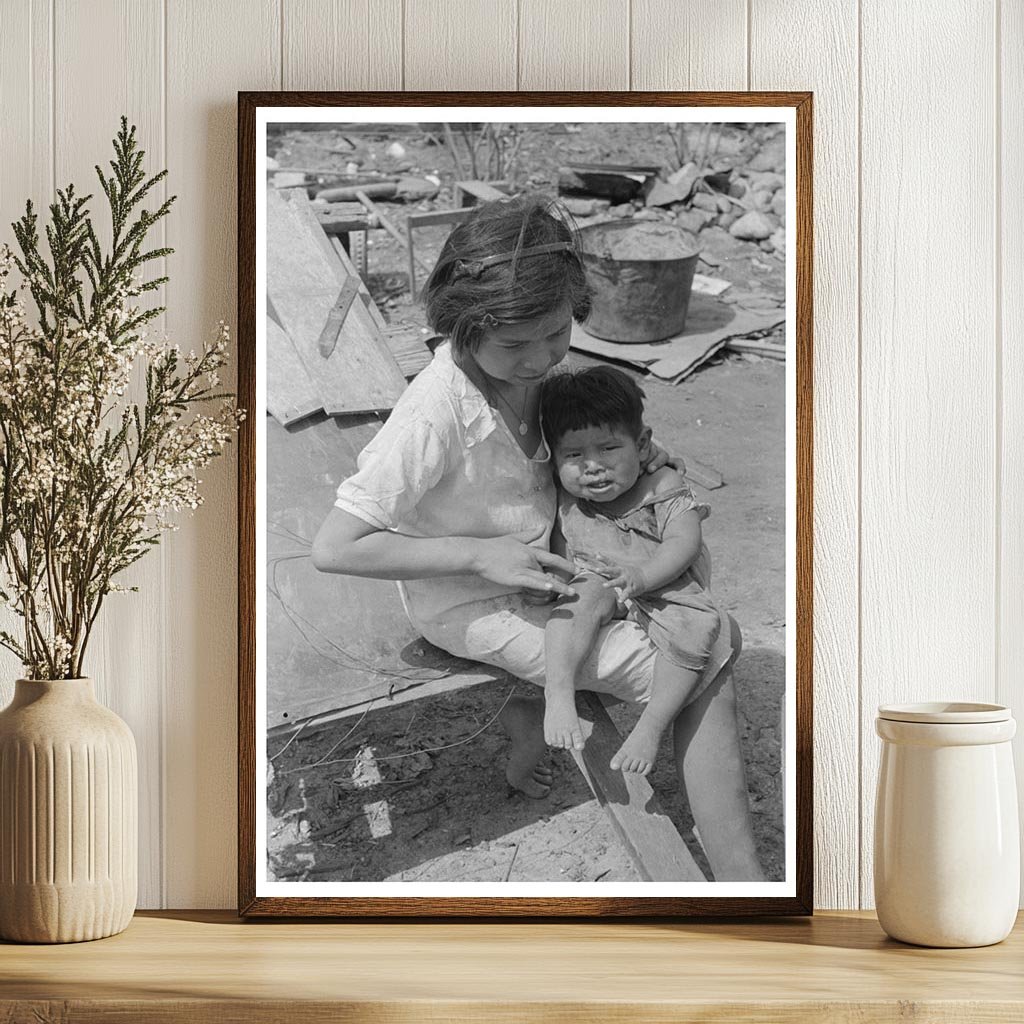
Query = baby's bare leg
x=672 y=685
x=569 y=637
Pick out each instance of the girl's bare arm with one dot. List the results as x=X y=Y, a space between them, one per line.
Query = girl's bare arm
x=347 y=544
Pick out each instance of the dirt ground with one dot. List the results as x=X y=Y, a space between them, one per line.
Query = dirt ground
x=415 y=792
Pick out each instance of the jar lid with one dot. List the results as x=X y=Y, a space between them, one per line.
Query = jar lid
x=945 y=712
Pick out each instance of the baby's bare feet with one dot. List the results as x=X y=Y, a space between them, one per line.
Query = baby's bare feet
x=562 y=724
x=638 y=751
x=523 y=720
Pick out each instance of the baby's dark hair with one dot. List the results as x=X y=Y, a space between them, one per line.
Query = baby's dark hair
x=464 y=299
x=598 y=396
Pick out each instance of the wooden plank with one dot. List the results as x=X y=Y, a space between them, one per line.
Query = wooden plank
x=647 y=834
x=319 y=662
x=466 y=45
x=349 y=269
x=328 y=339
x=697 y=45
x=211 y=968
x=831 y=72
x=129 y=668
x=928 y=352
x=361 y=375
x=1010 y=270
x=342 y=44
x=26 y=92
x=574 y=44
x=211 y=52
x=290 y=393
x=431 y=217
x=467 y=193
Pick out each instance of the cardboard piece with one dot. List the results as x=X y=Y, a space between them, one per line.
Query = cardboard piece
x=709 y=324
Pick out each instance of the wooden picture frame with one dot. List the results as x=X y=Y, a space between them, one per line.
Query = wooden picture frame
x=301 y=894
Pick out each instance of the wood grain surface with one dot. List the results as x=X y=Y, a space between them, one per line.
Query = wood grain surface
x=920 y=354
x=207 y=967
x=928 y=370
x=836 y=664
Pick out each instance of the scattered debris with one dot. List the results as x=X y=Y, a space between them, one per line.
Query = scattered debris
x=615 y=182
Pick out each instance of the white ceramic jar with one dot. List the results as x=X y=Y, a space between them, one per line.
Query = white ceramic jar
x=947 y=847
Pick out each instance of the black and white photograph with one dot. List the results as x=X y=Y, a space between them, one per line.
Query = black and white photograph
x=525 y=478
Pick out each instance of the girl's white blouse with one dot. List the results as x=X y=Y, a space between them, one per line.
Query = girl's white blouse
x=446 y=465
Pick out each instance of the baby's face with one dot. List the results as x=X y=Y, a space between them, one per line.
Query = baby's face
x=598 y=463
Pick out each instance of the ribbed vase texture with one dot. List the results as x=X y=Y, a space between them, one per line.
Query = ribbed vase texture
x=68 y=815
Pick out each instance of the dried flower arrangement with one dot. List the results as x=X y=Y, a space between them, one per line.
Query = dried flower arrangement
x=90 y=478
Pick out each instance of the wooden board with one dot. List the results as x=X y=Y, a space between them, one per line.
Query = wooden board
x=333 y=641
x=646 y=832
x=302 y=286
x=929 y=370
x=290 y=393
x=471 y=44
x=1009 y=681
x=207 y=967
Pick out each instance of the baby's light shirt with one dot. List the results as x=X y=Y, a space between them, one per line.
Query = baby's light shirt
x=446 y=465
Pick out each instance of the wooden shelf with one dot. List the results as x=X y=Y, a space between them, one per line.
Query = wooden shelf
x=208 y=966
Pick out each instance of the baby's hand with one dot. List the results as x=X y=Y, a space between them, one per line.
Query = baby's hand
x=628 y=580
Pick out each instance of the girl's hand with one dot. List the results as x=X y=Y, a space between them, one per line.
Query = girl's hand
x=512 y=562
x=653 y=457
x=628 y=580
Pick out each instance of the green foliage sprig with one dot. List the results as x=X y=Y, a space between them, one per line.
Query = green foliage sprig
x=89 y=478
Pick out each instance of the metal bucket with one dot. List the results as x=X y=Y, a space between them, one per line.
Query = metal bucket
x=641 y=273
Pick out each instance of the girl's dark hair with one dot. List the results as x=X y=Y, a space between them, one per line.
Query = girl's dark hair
x=463 y=301
x=598 y=396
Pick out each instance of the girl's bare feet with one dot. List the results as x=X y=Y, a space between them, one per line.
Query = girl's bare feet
x=523 y=720
x=561 y=723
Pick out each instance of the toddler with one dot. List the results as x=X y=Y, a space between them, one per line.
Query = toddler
x=635 y=540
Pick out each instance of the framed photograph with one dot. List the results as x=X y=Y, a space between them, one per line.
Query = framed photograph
x=520 y=369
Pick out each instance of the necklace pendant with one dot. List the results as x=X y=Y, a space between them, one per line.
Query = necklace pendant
x=523 y=429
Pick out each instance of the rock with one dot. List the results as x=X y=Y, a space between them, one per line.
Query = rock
x=762 y=200
x=767 y=181
x=778 y=206
x=622 y=210
x=738 y=189
x=724 y=204
x=766 y=246
x=726 y=220
x=396 y=151
x=688 y=172
x=286 y=179
x=664 y=194
x=584 y=207
x=753 y=226
x=778 y=240
x=693 y=220
x=772 y=156
x=272 y=164
x=705 y=201
x=415 y=190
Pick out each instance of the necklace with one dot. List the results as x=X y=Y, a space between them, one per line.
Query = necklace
x=524 y=427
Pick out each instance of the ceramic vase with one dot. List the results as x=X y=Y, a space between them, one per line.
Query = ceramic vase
x=947 y=847
x=68 y=815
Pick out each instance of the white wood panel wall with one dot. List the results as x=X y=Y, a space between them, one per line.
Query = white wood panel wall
x=919 y=315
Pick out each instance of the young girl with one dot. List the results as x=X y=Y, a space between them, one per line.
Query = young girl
x=635 y=539
x=455 y=499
